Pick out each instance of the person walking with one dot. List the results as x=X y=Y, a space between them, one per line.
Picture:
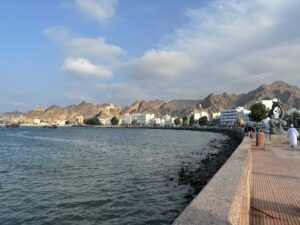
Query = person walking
x=293 y=135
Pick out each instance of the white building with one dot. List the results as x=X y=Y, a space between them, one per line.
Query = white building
x=168 y=120
x=215 y=115
x=36 y=121
x=229 y=116
x=126 y=119
x=79 y=120
x=197 y=115
x=268 y=103
x=60 y=123
x=157 y=122
x=167 y=117
x=105 y=121
x=142 y=119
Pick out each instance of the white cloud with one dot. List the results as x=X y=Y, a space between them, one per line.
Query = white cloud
x=81 y=51
x=240 y=41
x=229 y=46
x=97 y=10
x=161 y=65
x=83 y=46
x=84 y=66
x=93 y=47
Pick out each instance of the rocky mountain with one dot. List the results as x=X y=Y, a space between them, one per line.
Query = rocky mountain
x=56 y=113
x=143 y=107
x=159 y=107
x=289 y=95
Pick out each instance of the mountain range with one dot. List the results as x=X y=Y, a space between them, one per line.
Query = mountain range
x=288 y=94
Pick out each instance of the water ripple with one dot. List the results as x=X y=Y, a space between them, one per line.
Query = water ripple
x=96 y=176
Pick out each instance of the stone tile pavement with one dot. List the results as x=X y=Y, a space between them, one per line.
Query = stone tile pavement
x=275 y=185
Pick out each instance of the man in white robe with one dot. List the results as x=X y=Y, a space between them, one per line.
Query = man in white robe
x=292 y=134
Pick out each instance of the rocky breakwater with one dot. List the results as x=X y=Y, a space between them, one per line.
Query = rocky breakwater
x=220 y=151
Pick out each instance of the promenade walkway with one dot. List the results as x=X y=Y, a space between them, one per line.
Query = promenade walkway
x=275 y=185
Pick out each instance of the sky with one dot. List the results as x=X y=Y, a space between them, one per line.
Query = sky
x=67 y=51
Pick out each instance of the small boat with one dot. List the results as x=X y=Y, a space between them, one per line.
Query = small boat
x=13 y=125
x=50 y=126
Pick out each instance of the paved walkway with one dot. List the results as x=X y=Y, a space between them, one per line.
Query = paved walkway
x=275 y=185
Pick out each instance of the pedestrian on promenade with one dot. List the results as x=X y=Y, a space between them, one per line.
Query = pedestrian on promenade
x=293 y=135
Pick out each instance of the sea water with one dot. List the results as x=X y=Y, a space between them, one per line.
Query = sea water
x=96 y=176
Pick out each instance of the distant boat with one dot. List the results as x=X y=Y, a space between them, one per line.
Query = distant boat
x=50 y=126
x=13 y=125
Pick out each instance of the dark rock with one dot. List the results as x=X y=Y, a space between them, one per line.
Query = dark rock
x=208 y=167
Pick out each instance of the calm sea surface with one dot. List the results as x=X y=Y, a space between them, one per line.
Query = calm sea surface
x=96 y=176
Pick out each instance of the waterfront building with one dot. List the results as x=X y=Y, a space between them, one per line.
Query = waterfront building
x=141 y=118
x=229 y=116
x=36 y=121
x=60 y=123
x=200 y=114
x=167 y=117
x=79 y=120
x=168 y=120
x=126 y=119
x=197 y=115
x=105 y=121
x=158 y=122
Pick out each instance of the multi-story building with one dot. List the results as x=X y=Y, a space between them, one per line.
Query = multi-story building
x=126 y=119
x=229 y=116
x=141 y=118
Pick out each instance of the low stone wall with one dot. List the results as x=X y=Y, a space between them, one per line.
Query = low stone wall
x=226 y=198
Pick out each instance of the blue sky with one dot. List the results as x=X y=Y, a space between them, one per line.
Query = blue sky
x=64 y=52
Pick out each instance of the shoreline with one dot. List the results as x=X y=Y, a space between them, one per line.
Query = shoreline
x=207 y=167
